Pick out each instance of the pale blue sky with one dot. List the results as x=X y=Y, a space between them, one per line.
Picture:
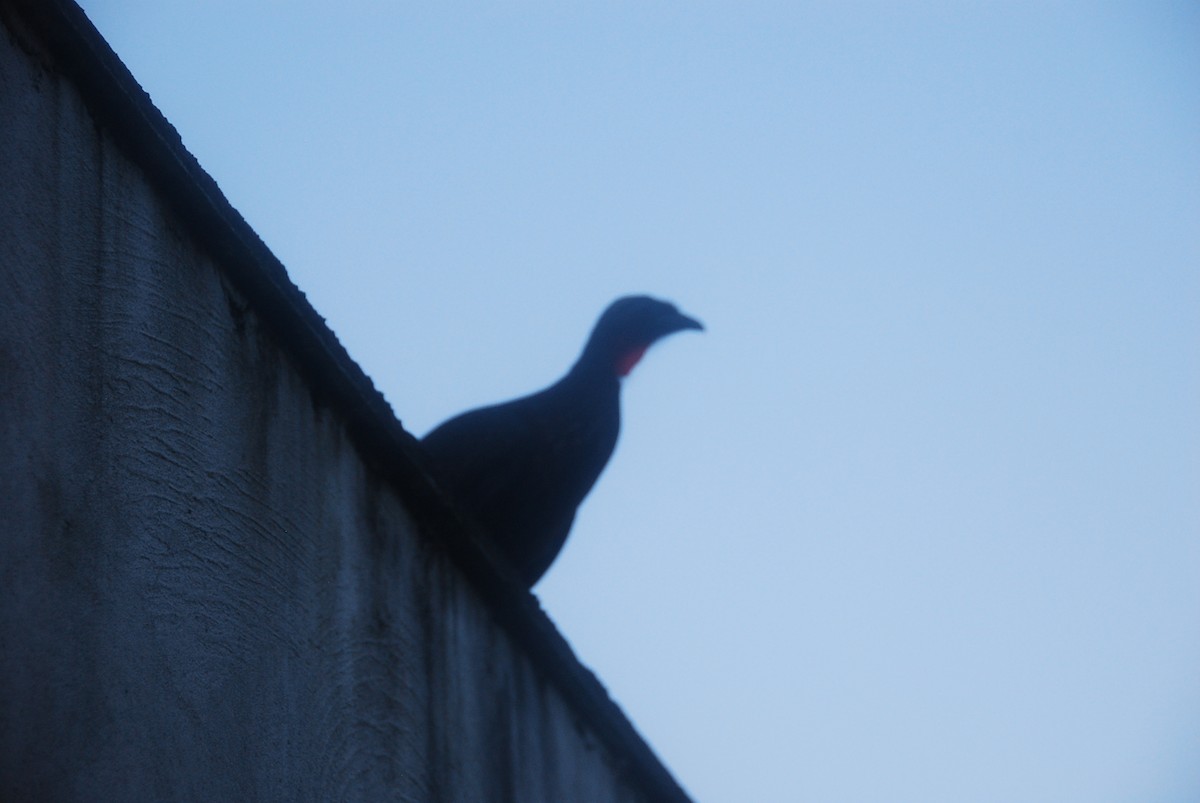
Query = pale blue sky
x=918 y=518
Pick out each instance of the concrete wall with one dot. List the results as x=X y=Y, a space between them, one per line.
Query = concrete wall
x=206 y=591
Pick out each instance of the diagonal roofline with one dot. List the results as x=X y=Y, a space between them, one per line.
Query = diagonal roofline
x=116 y=100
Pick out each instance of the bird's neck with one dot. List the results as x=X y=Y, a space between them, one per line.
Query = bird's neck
x=603 y=362
x=595 y=371
x=629 y=359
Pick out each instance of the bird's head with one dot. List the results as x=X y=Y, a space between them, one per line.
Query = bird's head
x=627 y=328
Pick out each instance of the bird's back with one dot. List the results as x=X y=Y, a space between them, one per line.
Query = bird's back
x=522 y=468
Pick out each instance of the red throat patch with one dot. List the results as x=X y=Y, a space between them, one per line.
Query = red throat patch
x=629 y=359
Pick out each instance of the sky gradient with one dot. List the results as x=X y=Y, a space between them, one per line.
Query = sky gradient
x=917 y=518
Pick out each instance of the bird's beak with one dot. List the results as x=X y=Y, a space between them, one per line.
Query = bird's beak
x=686 y=322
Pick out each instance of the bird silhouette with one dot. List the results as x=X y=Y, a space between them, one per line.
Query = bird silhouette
x=520 y=469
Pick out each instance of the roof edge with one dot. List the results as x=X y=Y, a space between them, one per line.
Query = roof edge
x=118 y=102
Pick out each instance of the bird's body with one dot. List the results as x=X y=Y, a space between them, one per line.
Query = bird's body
x=520 y=469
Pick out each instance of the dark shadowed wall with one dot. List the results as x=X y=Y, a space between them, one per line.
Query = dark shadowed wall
x=206 y=591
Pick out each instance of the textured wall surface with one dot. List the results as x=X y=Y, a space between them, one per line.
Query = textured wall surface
x=206 y=593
